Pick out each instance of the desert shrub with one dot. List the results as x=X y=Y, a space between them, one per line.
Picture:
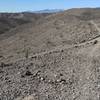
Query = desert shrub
x=2 y=64
x=95 y=42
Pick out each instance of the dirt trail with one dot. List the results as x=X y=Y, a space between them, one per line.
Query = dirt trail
x=97 y=46
x=92 y=22
x=60 y=48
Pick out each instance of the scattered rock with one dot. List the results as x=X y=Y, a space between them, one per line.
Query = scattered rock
x=63 y=81
x=58 y=80
x=5 y=65
x=62 y=50
x=76 y=46
x=41 y=78
x=95 y=42
x=28 y=73
x=61 y=74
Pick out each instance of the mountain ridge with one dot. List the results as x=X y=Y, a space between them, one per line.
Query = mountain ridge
x=47 y=11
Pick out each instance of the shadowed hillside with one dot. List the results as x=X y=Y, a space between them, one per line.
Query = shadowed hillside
x=12 y=20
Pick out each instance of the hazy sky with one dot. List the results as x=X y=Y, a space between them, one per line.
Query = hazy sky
x=32 y=5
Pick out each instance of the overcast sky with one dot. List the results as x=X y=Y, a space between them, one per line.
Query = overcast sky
x=33 y=5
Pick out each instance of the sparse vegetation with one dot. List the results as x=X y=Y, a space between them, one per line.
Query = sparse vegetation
x=27 y=53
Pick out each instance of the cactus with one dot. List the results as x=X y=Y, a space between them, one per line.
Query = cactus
x=26 y=53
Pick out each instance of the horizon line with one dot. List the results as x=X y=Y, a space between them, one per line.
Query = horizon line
x=45 y=9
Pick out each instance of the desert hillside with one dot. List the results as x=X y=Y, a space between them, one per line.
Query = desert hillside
x=52 y=31
x=12 y=20
x=55 y=59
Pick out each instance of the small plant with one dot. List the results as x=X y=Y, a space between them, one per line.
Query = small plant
x=26 y=49
x=26 y=53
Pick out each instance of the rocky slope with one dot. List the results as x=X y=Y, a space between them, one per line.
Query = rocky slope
x=57 y=59
x=53 y=31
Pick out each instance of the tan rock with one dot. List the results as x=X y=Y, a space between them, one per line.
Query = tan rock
x=29 y=98
x=26 y=98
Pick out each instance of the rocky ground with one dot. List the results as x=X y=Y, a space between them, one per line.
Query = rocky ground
x=69 y=74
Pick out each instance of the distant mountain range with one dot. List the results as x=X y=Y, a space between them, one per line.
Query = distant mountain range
x=47 y=11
